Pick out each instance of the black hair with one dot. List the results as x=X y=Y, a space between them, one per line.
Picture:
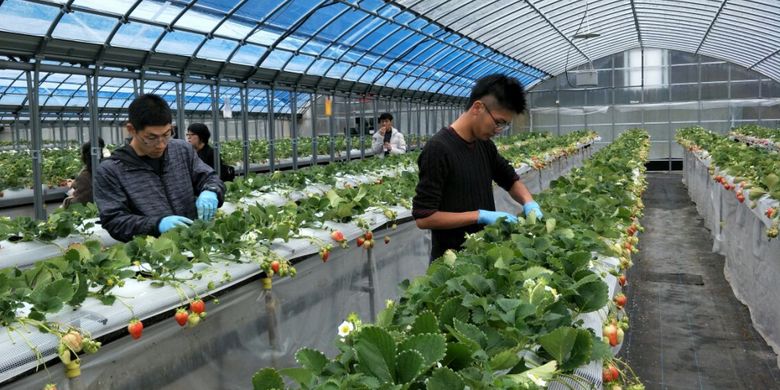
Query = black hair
x=386 y=115
x=507 y=91
x=86 y=153
x=201 y=130
x=149 y=110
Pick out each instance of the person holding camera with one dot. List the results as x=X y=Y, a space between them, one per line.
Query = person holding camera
x=387 y=140
x=198 y=136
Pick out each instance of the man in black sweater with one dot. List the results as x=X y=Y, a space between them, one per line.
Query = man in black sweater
x=459 y=163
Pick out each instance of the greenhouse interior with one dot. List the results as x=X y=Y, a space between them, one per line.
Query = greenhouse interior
x=389 y=194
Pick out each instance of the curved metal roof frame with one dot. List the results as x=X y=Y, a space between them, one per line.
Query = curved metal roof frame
x=743 y=32
x=291 y=43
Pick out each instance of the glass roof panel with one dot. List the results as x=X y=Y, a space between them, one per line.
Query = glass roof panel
x=199 y=19
x=248 y=54
x=217 y=49
x=180 y=42
x=27 y=18
x=86 y=27
x=118 y=7
x=157 y=11
x=137 y=36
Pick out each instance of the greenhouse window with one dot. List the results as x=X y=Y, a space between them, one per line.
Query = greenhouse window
x=155 y=11
x=80 y=26
x=248 y=54
x=217 y=49
x=137 y=36
x=27 y=18
x=180 y=42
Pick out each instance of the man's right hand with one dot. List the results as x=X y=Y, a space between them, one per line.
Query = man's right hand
x=172 y=221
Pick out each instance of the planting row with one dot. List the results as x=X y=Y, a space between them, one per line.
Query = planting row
x=757 y=136
x=751 y=173
x=184 y=258
x=508 y=310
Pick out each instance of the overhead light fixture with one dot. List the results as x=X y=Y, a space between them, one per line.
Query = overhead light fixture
x=586 y=35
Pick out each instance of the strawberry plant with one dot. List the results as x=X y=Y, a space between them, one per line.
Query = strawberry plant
x=500 y=313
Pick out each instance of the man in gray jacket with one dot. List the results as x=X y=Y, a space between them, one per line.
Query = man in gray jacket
x=150 y=184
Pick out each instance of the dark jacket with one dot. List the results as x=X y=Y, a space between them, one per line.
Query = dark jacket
x=82 y=190
x=132 y=198
x=226 y=172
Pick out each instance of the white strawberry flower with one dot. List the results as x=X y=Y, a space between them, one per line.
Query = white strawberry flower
x=346 y=328
x=538 y=381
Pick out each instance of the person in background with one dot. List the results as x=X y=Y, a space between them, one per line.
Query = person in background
x=198 y=136
x=458 y=165
x=387 y=140
x=81 y=188
x=154 y=183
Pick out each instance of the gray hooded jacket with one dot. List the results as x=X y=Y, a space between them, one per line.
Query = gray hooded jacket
x=132 y=198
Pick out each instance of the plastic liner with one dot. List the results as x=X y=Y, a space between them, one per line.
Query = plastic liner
x=752 y=260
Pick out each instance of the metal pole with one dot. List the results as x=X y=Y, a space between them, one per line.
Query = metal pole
x=314 y=149
x=294 y=127
x=94 y=127
x=15 y=133
x=419 y=124
x=215 y=123
x=376 y=118
x=271 y=126
x=348 y=110
x=332 y=128
x=362 y=127
x=80 y=130
x=245 y=128
x=180 y=125
x=35 y=148
x=409 y=119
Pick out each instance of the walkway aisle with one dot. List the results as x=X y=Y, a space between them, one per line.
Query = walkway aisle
x=688 y=331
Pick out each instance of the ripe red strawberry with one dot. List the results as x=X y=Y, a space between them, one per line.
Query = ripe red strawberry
x=770 y=212
x=740 y=197
x=361 y=241
x=369 y=235
x=135 y=328
x=337 y=236
x=324 y=254
x=622 y=280
x=275 y=266
x=627 y=245
x=610 y=373
x=387 y=240
x=181 y=316
x=620 y=300
x=197 y=306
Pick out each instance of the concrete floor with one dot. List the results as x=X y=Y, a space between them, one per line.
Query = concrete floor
x=688 y=331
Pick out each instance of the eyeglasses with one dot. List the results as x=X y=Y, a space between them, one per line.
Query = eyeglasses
x=155 y=140
x=503 y=126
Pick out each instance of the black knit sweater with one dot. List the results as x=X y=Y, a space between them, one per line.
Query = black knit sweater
x=457 y=176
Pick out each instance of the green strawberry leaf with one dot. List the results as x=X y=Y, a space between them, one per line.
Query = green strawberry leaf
x=432 y=347
x=444 y=379
x=409 y=364
x=375 y=350
x=311 y=359
x=267 y=379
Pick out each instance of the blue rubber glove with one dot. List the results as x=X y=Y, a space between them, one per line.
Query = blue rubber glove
x=207 y=205
x=487 y=217
x=532 y=206
x=172 y=221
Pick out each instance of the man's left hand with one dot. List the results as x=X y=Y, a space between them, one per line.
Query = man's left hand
x=207 y=205
x=532 y=207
